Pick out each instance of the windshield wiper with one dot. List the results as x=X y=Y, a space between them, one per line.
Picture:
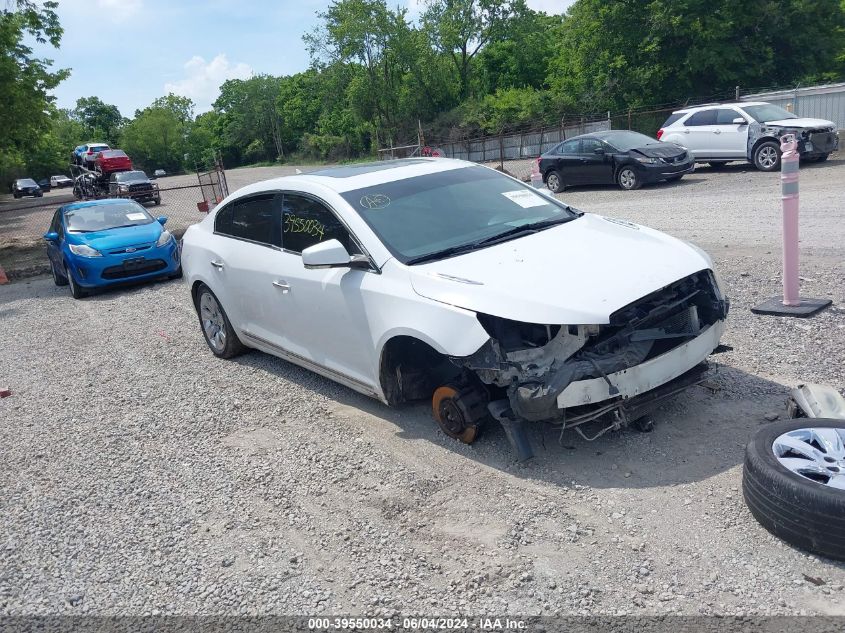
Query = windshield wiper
x=81 y=231
x=446 y=252
x=532 y=227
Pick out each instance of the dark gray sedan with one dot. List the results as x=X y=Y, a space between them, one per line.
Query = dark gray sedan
x=628 y=159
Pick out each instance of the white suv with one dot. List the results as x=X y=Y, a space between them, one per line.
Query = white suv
x=747 y=131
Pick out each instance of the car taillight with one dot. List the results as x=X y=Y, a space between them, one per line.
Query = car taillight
x=659 y=133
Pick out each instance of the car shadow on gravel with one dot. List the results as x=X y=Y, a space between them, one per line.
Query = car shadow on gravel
x=697 y=435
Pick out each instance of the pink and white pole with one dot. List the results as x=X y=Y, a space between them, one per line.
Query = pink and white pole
x=789 y=195
x=791 y=304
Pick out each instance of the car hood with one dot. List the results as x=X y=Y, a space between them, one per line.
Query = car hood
x=660 y=150
x=118 y=238
x=577 y=273
x=802 y=123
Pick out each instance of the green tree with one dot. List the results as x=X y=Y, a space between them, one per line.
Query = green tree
x=638 y=52
x=102 y=121
x=25 y=80
x=519 y=58
x=248 y=118
x=157 y=138
x=461 y=28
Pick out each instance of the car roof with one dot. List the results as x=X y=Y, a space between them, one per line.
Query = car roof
x=357 y=176
x=739 y=104
x=74 y=206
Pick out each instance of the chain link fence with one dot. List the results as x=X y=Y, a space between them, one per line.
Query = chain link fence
x=184 y=200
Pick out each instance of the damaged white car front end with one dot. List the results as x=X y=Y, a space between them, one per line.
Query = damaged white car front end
x=598 y=320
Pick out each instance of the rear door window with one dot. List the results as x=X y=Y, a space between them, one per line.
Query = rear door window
x=705 y=117
x=571 y=147
x=255 y=219
x=590 y=145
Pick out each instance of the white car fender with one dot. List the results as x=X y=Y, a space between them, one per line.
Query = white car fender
x=448 y=329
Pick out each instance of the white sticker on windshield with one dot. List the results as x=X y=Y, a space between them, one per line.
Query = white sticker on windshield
x=136 y=216
x=524 y=198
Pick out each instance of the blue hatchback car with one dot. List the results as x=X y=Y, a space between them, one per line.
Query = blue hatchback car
x=101 y=243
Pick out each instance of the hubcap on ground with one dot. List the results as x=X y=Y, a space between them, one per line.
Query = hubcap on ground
x=627 y=178
x=768 y=157
x=213 y=325
x=817 y=454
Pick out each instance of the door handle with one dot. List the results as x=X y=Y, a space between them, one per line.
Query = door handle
x=217 y=264
x=686 y=131
x=717 y=131
x=285 y=286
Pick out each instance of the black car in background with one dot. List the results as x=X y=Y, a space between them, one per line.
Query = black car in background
x=26 y=187
x=628 y=159
x=44 y=184
x=134 y=184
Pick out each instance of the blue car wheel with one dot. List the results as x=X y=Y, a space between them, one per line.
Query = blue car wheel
x=57 y=277
x=76 y=290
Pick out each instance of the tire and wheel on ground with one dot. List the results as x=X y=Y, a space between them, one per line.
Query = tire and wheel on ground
x=794 y=483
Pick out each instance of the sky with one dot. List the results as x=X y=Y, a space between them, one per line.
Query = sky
x=129 y=52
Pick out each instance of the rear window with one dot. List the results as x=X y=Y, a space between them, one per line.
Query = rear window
x=672 y=118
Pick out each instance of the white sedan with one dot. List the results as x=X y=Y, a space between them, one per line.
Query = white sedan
x=446 y=280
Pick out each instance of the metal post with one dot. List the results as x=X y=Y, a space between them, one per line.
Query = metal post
x=789 y=196
x=737 y=93
x=790 y=304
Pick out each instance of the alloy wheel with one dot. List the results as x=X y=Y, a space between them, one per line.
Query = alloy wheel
x=627 y=178
x=213 y=323
x=816 y=454
x=768 y=157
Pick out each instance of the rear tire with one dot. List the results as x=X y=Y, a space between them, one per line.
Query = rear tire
x=216 y=328
x=767 y=156
x=807 y=513
x=554 y=181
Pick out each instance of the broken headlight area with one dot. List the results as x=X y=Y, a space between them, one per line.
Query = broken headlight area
x=531 y=364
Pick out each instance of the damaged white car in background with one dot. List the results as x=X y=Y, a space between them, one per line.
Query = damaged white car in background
x=445 y=280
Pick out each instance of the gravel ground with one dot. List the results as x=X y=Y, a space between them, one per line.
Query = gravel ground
x=141 y=475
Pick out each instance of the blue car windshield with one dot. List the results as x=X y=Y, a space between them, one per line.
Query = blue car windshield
x=101 y=217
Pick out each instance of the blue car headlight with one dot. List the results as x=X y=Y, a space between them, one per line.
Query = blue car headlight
x=164 y=238
x=84 y=250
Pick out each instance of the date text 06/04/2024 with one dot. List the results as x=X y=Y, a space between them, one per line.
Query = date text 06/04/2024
x=416 y=624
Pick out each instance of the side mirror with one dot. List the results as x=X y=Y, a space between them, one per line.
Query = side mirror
x=598 y=150
x=51 y=236
x=331 y=254
x=162 y=219
x=740 y=121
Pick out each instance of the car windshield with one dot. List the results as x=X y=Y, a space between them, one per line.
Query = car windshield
x=27 y=182
x=624 y=140
x=101 y=217
x=130 y=175
x=768 y=112
x=460 y=209
x=98 y=148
